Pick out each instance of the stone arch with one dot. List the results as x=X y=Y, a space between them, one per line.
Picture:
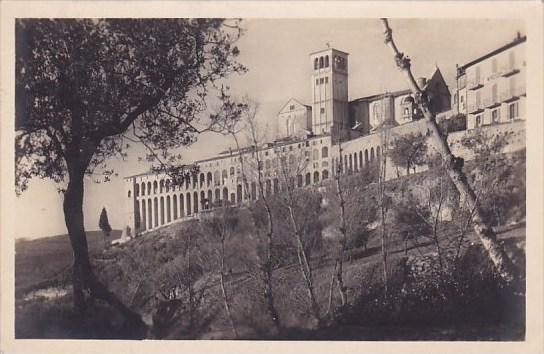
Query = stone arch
x=156 y=212
x=225 y=195
x=360 y=159
x=167 y=185
x=217 y=195
x=372 y=154
x=216 y=178
x=143 y=188
x=162 y=210
x=316 y=177
x=188 y=203
x=168 y=209
x=143 y=216
x=149 y=214
x=137 y=190
x=187 y=182
x=378 y=153
x=181 y=205
x=224 y=178
x=210 y=198
x=366 y=157
x=239 y=192
x=175 y=205
x=321 y=63
x=324 y=152
x=155 y=187
x=325 y=174
x=299 y=180
x=316 y=64
x=161 y=186
x=350 y=162
x=308 y=179
x=209 y=179
x=326 y=61
x=195 y=202
x=233 y=198
x=202 y=179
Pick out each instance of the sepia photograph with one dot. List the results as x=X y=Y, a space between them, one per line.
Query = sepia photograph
x=243 y=178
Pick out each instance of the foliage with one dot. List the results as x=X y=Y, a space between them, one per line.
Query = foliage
x=82 y=85
x=103 y=222
x=408 y=151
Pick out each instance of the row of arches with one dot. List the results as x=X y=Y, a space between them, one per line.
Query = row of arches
x=321 y=62
x=158 y=211
x=195 y=181
x=357 y=160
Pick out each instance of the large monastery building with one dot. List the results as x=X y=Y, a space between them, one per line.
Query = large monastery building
x=308 y=135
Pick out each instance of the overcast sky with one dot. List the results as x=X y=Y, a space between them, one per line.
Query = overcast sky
x=276 y=53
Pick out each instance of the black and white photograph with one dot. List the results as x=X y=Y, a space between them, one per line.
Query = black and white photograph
x=247 y=179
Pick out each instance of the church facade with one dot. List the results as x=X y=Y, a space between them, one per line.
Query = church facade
x=308 y=141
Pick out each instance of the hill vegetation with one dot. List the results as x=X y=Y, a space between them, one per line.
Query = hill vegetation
x=202 y=279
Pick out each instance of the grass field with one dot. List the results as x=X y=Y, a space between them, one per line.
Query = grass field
x=41 y=260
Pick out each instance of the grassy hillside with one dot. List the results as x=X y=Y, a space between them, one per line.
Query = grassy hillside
x=42 y=259
x=170 y=277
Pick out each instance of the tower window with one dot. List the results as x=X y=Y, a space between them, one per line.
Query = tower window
x=327 y=79
x=317 y=81
x=327 y=61
x=322 y=110
x=321 y=80
x=321 y=64
x=513 y=110
x=292 y=107
x=315 y=64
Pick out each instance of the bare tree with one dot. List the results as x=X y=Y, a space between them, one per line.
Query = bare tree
x=454 y=166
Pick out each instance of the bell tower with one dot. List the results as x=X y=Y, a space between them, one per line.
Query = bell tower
x=329 y=81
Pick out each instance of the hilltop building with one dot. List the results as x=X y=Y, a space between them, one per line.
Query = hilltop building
x=309 y=134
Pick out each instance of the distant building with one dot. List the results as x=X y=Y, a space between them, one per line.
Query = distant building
x=491 y=88
x=308 y=136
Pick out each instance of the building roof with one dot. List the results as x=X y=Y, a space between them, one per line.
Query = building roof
x=381 y=95
x=325 y=49
x=293 y=100
x=519 y=39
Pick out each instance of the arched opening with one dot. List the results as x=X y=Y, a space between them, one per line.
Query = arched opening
x=148 y=188
x=366 y=156
x=276 y=185
x=325 y=174
x=324 y=152
x=217 y=196
x=161 y=186
x=137 y=190
x=231 y=171
x=167 y=185
x=232 y=198
x=175 y=205
x=299 y=181
x=216 y=178
x=162 y=210
x=360 y=159
x=316 y=64
x=144 y=216
x=202 y=180
x=181 y=206
x=355 y=162
x=203 y=201
x=168 y=209
x=156 y=212
x=188 y=203
x=308 y=178
x=128 y=194
x=239 y=193
x=350 y=162
x=195 y=202
x=187 y=182
x=372 y=154
x=143 y=189
x=253 y=191
x=210 y=198
x=195 y=182
x=155 y=187
x=149 y=214
x=315 y=154
x=225 y=195
x=224 y=178
x=316 y=177
x=326 y=61
x=321 y=64
x=378 y=153
x=209 y=179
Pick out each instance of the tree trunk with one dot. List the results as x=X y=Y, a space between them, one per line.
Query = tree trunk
x=454 y=167
x=343 y=241
x=83 y=278
x=224 y=290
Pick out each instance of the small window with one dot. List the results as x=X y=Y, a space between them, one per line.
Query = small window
x=317 y=81
x=327 y=80
x=321 y=64
x=327 y=61
x=292 y=107
x=495 y=115
x=513 y=111
x=478 y=121
x=129 y=194
x=461 y=99
x=322 y=110
x=406 y=113
x=321 y=81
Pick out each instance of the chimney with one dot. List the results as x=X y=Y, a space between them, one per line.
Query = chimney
x=421 y=81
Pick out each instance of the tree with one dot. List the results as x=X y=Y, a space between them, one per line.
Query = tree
x=104 y=224
x=409 y=151
x=454 y=166
x=86 y=87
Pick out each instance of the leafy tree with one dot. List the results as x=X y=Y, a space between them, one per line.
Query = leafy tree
x=409 y=151
x=86 y=87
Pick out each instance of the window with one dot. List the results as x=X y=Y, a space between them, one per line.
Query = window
x=292 y=107
x=315 y=64
x=327 y=80
x=321 y=62
x=317 y=81
x=478 y=121
x=322 y=110
x=315 y=154
x=455 y=98
x=327 y=61
x=406 y=113
x=513 y=111
x=324 y=152
x=495 y=115
x=129 y=194
x=321 y=80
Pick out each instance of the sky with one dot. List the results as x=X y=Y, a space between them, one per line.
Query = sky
x=276 y=52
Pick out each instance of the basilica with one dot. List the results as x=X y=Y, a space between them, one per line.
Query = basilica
x=331 y=133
